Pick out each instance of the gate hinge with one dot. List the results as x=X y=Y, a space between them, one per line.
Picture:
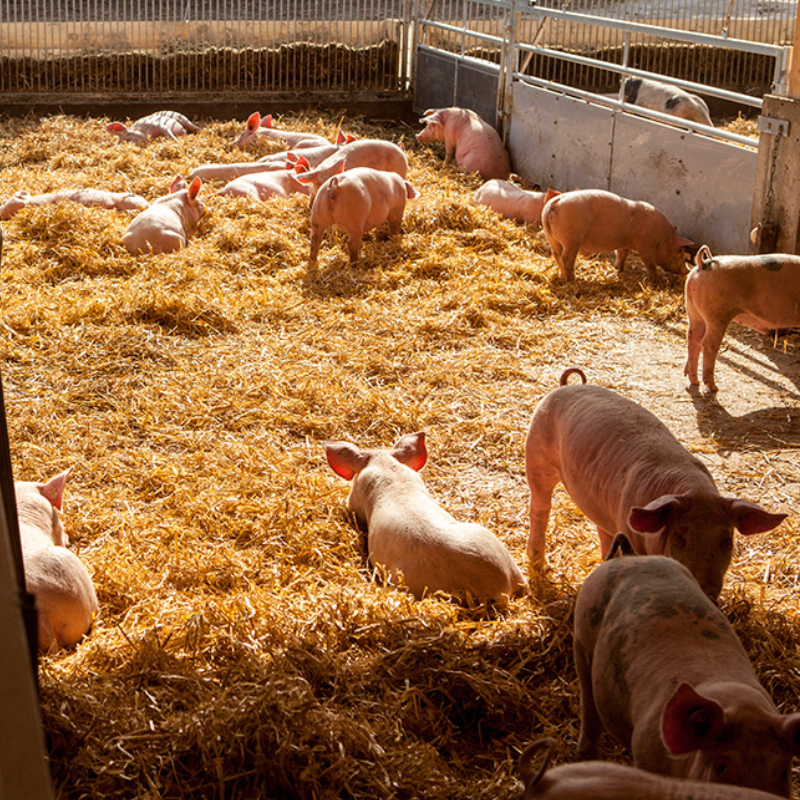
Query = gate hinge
x=773 y=125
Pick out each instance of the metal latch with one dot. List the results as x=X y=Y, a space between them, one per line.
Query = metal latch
x=773 y=125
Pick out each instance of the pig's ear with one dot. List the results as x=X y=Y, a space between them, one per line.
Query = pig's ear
x=340 y=138
x=254 y=122
x=291 y=157
x=790 y=733
x=691 y=722
x=528 y=773
x=53 y=490
x=266 y=122
x=411 y=192
x=750 y=518
x=350 y=138
x=194 y=188
x=401 y=146
x=551 y=193
x=411 y=451
x=177 y=184
x=346 y=460
x=655 y=516
x=116 y=127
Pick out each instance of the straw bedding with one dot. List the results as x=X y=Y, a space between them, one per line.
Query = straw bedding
x=244 y=649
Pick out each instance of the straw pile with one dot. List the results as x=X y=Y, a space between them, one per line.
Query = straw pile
x=243 y=648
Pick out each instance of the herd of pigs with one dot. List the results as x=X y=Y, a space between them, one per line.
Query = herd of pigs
x=659 y=665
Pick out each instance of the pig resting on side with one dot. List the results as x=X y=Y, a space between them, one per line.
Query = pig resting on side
x=589 y=221
x=762 y=292
x=667 y=99
x=410 y=535
x=625 y=470
x=92 y=198
x=601 y=780
x=65 y=598
x=163 y=123
x=513 y=202
x=258 y=126
x=662 y=669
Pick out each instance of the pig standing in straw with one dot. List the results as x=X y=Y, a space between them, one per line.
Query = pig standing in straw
x=410 y=535
x=624 y=469
x=762 y=292
x=65 y=597
x=662 y=669
x=168 y=223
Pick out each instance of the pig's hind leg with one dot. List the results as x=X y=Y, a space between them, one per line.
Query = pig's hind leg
x=591 y=724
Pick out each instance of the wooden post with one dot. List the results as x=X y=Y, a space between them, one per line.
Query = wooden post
x=794 y=67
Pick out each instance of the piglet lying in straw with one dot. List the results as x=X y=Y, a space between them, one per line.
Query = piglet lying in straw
x=624 y=469
x=258 y=126
x=99 y=198
x=263 y=185
x=168 y=223
x=65 y=597
x=475 y=145
x=600 y=780
x=410 y=535
x=590 y=221
x=662 y=669
x=762 y=292
x=163 y=123
x=513 y=202
x=666 y=99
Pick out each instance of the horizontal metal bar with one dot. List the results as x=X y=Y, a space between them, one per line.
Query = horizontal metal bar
x=461 y=31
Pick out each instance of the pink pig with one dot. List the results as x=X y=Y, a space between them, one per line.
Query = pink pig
x=410 y=535
x=168 y=223
x=357 y=201
x=667 y=99
x=98 y=198
x=263 y=185
x=163 y=123
x=624 y=469
x=65 y=596
x=512 y=202
x=602 y=780
x=258 y=126
x=762 y=292
x=228 y=172
x=662 y=669
x=475 y=145
x=590 y=221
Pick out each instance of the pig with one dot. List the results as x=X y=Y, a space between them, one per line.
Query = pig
x=624 y=469
x=512 y=202
x=99 y=198
x=661 y=668
x=65 y=597
x=589 y=221
x=258 y=126
x=228 y=172
x=163 y=123
x=263 y=185
x=475 y=145
x=762 y=292
x=357 y=201
x=373 y=153
x=600 y=780
x=413 y=538
x=667 y=99
x=168 y=223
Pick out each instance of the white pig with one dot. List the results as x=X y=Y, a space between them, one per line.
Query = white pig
x=65 y=598
x=228 y=172
x=163 y=123
x=667 y=99
x=512 y=202
x=98 y=198
x=357 y=201
x=762 y=292
x=624 y=469
x=263 y=185
x=590 y=221
x=410 y=535
x=258 y=126
x=168 y=223
x=473 y=142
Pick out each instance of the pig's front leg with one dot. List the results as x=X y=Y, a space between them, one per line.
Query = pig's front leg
x=622 y=255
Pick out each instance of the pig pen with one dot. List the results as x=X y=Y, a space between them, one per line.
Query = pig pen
x=243 y=648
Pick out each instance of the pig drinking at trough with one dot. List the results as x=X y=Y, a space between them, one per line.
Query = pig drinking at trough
x=65 y=597
x=263 y=185
x=258 y=126
x=410 y=535
x=661 y=668
x=624 y=469
x=163 y=123
x=93 y=198
x=357 y=201
x=168 y=223
x=513 y=202
x=762 y=292
x=475 y=145
x=590 y=221
x=602 y=780
x=667 y=99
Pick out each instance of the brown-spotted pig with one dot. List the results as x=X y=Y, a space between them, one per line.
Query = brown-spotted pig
x=258 y=126
x=163 y=123
x=471 y=141
x=661 y=668
x=410 y=535
x=65 y=597
x=667 y=99
x=589 y=221
x=762 y=292
x=357 y=201
x=602 y=780
x=168 y=223
x=92 y=198
x=625 y=471
x=263 y=185
x=512 y=202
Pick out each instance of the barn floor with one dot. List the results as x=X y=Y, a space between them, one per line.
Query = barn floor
x=243 y=649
